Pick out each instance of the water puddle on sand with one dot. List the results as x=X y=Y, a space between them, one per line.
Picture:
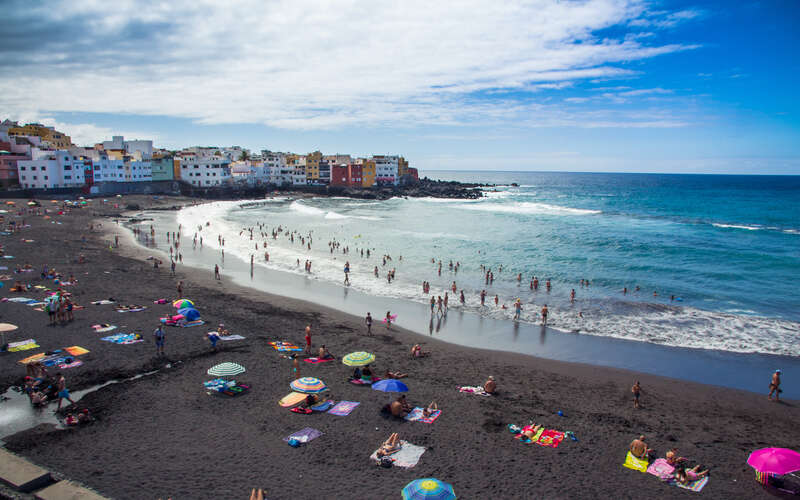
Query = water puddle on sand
x=18 y=414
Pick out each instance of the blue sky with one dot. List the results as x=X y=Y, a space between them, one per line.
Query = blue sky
x=595 y=85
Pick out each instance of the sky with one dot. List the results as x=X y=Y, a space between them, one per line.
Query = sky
x=592 y=85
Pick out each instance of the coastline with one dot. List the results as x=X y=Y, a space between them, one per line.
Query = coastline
x=170 y=428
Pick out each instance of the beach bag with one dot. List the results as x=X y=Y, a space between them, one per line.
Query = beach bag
x=294 y=443
x=386 y=462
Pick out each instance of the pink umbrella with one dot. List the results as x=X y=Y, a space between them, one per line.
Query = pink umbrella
x=774 y=460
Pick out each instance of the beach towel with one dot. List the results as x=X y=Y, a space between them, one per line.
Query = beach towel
x=361 y=381
x=408 y=456
x=22 y=345
x=634 y=463
x=102 y=302
x=160 y=301
x=343 y=408
x=76 y=350
x=303 y=435
x=123 y=338
x=292 y=399
x=317 y=360
x=189 y=324
x=231 y=337
x=20 y=299
x=694 y=485
x=661 y=469
x=31 y=359
x=284 y=346
x=324 y=406
x=103 y=328
x=74 y=364
x=416 y=416
x=34 y=303
x=219 y=384
x=550 y=438
x=133 y=310
x=473 y=390
x=524 y=439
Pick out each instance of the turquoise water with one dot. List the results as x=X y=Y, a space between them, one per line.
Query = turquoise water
x=726 y=247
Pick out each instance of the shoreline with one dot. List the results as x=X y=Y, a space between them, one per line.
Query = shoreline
x=171 y=429
x=466 y=328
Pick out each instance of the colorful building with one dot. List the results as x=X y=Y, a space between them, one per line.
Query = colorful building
x=163 y=168
x=346 y=175
x=312 y=166
x=367 y=172
x=54 y=138
x=9 y=176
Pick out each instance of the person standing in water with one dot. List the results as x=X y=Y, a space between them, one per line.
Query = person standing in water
x=347 y=273
x=388 y=319
x=517 y=309
x=544 y=314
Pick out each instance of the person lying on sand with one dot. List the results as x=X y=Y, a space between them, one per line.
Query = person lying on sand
x=417 y=352
x=684 y=475
x=391 y=445
x=529 y=431
x=639 y=448
x=490 y=386
x=222 y=331
x=426 y=412
x=395 y=375
x=673 y=458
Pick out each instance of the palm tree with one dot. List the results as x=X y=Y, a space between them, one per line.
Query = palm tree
x=244 y=156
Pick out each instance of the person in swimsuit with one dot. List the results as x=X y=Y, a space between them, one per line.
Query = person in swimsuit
x=490 y=386
x=775 y=385
x=544 y=314
x=368 y=321
x=636 y=390
x=391 y=445
x=63 y=393
x=295 y=367
x=639 y=448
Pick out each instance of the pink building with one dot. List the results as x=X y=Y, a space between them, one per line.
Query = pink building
x=8 y=166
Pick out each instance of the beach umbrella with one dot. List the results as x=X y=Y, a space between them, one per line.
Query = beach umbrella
x=390 y=385
x=360 y=358
x=227 y=369
x=189 y=313
x=308 y=385
x=6 y=327
x=32 y=203
x=428 y=489
x=774 y=460
x=9 y=203
x=181 y=303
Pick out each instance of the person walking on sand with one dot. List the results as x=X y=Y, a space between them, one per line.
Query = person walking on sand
x=368 y=322
x=295 y=367
x=180 y=289
x=63 y=393
x=775 y=386
x=544 y=314
x=308 y=340
x=159 y=337
x=216 y=271
x=636 y=390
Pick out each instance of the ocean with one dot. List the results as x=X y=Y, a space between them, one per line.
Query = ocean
x=716 y=259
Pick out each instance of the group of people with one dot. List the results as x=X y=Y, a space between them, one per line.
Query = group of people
x=683 y=473
x=42 y=388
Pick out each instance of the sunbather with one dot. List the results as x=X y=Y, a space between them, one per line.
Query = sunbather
x=221 y=330
x=366 y=373
x=391 y=445
x=389 y=374
x=400 y=407
x=639 y=448
x=417 y=352
x=324 y=353
x=310 y=401
x=490 y=386
x=684 y=475
x=426 y=412
x=673 y=458
x=529 y=431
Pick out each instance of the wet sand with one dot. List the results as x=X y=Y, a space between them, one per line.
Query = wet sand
x=162 y=435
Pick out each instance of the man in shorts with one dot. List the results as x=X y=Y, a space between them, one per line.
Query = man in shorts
x=63 y=393
x=159 y=336
x=775 y=385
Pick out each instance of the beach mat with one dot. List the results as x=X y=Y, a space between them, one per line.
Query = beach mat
x=284 y=346
x=231 y=337
x=123 y=338
x=634 y=463
x=317 y=360
x=102 y=302
x=134 y=310
x=74 y=364
x=550 y=438
x=408 y=456
x=22 y=345
x=304 y=435
x=694 y=485
x=343 y=408
x=416 y=415
x=76 y=350
x=473 y=390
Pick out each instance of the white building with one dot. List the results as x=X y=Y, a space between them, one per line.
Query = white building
x=118 y=142
x=204 y=167
x=51 y=169
x=138 y=171
x=386 y=168
x=108 y=170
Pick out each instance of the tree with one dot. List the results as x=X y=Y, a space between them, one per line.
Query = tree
x=244 y=156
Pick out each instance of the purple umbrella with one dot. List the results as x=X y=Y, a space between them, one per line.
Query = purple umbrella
x=774 y=460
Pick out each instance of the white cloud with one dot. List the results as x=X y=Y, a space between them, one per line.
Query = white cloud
x=322 y=65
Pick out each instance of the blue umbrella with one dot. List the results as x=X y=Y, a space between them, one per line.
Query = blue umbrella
x=428 y=489
x=189 y=313
x=390 y=385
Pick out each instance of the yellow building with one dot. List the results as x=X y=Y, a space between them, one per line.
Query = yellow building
x=312 y=165
x=402 y=167
x=56 y=139
x=367 y=172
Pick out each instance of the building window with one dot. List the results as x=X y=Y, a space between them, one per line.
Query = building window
x=22 y=168
x=65 y=177
x=34 y=177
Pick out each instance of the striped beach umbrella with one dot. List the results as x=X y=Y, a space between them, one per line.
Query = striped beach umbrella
x=360 y=358
x=308 y=385
x=428 y=489
x=226 y=369
x=182 y=303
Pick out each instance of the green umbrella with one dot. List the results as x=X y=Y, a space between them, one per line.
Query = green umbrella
x=358 y=359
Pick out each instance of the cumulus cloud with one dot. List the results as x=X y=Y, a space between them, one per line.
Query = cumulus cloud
x=315 y=65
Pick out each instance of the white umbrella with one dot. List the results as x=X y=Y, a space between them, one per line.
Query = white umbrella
x=6 y=327
x=226 y=369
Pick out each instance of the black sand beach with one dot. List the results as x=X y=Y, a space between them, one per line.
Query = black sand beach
x=163 y=436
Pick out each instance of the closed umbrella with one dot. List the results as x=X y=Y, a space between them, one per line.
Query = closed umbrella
x=428 y=489
x=227 y=369
x=774 y=460
x=390 y=385
x=358 y=359
x=308 y=385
